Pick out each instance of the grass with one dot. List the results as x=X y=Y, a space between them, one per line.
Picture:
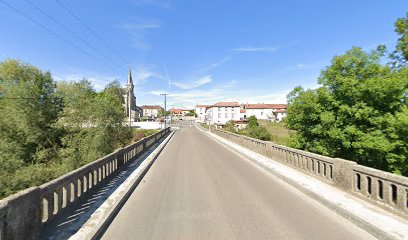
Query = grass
x=279 y=133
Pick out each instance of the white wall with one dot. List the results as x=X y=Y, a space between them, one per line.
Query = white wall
x=221 y=115
x=148 y=125
x=280 y=116
x=151 y=112
x=259 y=113
x=200 y=111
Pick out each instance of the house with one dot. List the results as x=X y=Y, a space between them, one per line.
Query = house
x=222 y=112
x=176 y=112
x=272 y=112
x=240 y=124
x=184 y=112
x=151 y=111
x=200 y=111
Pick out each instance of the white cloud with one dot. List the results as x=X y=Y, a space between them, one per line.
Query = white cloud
x=303 y=66
x=214 y=65
x=255 y=49
x=157 y=92
x=142 y=74
x=191 y=85
x=189 y=99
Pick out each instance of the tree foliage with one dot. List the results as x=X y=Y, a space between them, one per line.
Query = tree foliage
x=254 y=130
x=400 y=55
x=359 y=112
x=49 y=128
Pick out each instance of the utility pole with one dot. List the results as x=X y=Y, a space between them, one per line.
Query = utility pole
x=130 y=110
x=165 y=102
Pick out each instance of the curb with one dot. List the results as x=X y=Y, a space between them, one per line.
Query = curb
x=100 y=219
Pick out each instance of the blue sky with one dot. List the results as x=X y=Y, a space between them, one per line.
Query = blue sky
x=198 y=51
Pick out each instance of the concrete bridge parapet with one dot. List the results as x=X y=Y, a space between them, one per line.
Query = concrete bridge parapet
x=25 y=213
x=386 y=190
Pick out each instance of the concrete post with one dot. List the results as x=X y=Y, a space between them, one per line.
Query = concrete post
x=343 y=174
x=3 y=213
x=23 y=215
x=119 y=157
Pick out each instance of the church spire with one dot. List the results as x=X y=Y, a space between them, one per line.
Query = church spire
x=130 y=80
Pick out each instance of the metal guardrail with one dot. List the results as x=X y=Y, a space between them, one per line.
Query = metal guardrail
x=23 y=214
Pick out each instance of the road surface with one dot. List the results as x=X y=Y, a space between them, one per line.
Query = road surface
x=199 y=189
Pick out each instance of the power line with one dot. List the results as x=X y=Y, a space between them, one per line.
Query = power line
x=73 y=33
x=55 y=34
x=90 y=30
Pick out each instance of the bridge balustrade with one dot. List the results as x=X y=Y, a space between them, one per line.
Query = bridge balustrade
x=383 y=189
x=22 y=215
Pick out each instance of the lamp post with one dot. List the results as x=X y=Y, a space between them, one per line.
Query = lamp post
x=165 y=102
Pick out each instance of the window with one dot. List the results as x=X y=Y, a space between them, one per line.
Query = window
x=261 y=113
x=219 y=108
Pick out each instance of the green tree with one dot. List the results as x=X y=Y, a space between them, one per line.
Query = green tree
x=400 y=55
x=353 y=114
x=92 y=122
x=29 y=106
x=255 y=131
x=252 y=122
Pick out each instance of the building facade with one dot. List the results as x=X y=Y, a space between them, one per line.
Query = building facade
x=151 y=111
x=200 y=110
x=222 y=112
x=272 y=112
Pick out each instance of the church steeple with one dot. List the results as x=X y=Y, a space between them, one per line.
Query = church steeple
x=131 y=98
x=130 y=81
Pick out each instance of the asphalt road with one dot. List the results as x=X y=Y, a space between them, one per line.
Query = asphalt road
x=199 y=189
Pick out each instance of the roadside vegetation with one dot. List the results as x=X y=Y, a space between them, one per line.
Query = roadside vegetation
x=49 y=128
x=360 y=110
x=279 y=133
x=253 y=129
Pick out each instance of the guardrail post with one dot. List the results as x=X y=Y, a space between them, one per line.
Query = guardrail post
x=343 y=174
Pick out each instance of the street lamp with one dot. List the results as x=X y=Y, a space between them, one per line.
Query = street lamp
x=165 y=102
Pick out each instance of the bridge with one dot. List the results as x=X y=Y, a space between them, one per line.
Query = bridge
x=191 y=183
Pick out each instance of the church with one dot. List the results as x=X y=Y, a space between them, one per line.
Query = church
x=133 y=113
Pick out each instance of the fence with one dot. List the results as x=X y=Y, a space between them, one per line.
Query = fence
x=384 y=189
x=22 y=215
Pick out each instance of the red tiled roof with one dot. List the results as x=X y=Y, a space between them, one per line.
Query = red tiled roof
x=226 y=104
x=241 y=121
x=242 y=111
x=175 y=110
x=151 y=107
x=202 y=106
x=282 y=106
x=265 y=106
